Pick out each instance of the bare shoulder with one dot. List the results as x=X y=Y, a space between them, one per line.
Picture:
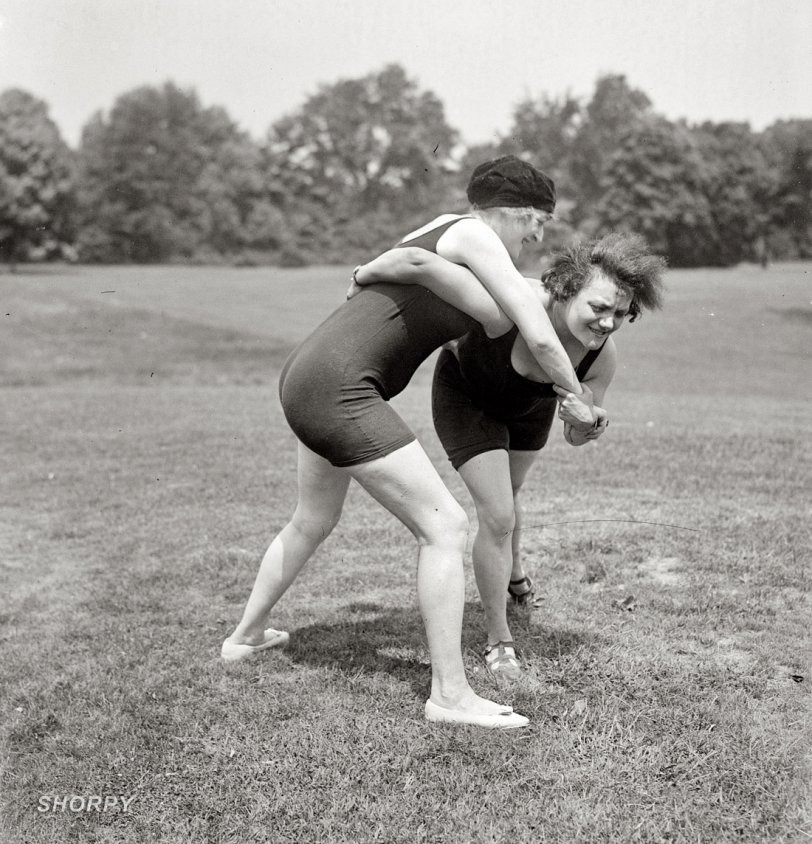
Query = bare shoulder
x=468 y=238
x=542 y=293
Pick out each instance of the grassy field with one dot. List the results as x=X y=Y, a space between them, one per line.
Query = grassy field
x=146 y=464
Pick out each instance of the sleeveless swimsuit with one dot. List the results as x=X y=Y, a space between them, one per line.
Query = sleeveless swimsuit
x=480 y=403
x=335 y=385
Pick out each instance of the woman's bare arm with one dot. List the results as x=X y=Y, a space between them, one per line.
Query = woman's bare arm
x=476 y=245
x=597 y=382
x=453 y=283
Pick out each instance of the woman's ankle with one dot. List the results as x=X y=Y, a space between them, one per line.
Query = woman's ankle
x=245 y=635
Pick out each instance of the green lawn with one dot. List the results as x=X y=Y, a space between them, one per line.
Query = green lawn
x=146 y=464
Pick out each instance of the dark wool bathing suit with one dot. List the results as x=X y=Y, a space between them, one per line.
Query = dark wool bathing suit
x=480 y=403
x=335 y=385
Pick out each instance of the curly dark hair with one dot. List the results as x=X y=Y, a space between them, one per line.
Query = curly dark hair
x=624 y=258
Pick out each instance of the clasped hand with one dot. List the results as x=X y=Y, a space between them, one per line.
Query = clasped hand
x=574 y=437
x=576 y=410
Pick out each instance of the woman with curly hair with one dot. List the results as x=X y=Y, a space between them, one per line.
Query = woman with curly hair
x=335 y=389
x=494 y=405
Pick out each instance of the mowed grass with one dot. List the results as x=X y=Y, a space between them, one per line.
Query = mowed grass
x=146 y=464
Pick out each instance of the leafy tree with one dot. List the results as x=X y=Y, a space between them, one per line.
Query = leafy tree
x=654 y=184
x=163 y=178
x=787 y=145
x=544 y=131
x=615 y=110
x=36 y=181
x=354 y=151
x=738 y=186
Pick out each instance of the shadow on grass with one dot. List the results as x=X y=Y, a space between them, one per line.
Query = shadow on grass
x=379 y=639
x=374 y=639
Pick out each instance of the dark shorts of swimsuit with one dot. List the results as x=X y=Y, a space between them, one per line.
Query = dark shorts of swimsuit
x=347 y=424
x=467 y=427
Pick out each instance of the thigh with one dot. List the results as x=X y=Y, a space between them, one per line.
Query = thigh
x=464 y=429
x=488 y=479
x=520 y=464
x=322 y=487
x=406 y=483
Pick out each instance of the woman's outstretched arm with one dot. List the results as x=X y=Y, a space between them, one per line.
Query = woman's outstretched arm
x=473 y=243
x=454 y=284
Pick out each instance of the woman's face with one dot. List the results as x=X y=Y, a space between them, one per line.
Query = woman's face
x=596 y=311
x=521 y=230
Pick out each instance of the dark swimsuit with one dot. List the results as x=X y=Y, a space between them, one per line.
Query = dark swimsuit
x=335 y=385
x=480 y=403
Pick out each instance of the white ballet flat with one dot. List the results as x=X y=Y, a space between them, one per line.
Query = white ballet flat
x=507 y=719
x=233 y=652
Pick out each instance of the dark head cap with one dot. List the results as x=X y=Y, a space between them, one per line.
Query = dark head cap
x=509 y=181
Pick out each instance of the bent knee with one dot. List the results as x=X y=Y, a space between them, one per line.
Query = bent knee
x=315 y=527
x=498 y=523
x=446 y=527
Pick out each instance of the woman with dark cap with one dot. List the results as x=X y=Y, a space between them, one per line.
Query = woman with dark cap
x=493 y=405
x=334 y=390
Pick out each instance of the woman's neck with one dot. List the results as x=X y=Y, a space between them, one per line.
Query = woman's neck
x=490 y=219
x=572 y=346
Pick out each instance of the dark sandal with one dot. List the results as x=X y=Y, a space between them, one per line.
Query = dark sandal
x=500 y=663
x=523 y=595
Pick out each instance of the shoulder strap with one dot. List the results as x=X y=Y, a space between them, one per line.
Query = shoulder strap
x=588 y=359
x=428 y=239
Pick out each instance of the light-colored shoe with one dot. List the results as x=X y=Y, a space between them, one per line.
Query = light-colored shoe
x=507 y=719
x=502 y=662
x=233 y=652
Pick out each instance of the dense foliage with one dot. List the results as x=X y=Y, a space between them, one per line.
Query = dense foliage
x=36 y=181
x=163 y=178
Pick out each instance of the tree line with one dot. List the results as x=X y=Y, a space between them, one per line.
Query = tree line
x=163 y=178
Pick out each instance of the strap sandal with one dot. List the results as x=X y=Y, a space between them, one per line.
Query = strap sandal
x=501 y=661
x=521 y=591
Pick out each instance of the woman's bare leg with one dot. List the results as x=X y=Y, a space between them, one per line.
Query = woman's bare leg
x=407 y=484
x=322 y=490
x=520 y=464
x=487 y=477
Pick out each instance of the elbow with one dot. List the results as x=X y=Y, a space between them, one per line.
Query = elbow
x=403 y=265
x=540 y=346
x=497 y=326
x=413 y=260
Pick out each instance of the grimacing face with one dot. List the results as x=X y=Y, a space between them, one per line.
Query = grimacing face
x=597 y=310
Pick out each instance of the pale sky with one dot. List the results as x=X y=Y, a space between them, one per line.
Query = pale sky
x=748 y=60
